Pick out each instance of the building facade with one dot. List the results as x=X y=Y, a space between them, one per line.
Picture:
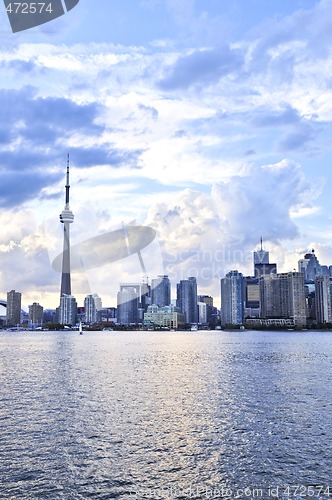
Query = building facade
x=36 y=312
x=169 y=317
x=128 y=305
x=68 y=310
x=262 y=264
x=323 y=299
x=232 y=299
x=13 y=312
x=310 y=267
x=92 y=309
x=161 y=291
x=283 y=296
x=186 y=299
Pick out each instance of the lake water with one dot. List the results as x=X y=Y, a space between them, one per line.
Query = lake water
x=179 y=415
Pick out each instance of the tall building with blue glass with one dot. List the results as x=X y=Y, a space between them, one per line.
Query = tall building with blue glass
x=161 y=291
x=232 y=299
x=186 y=299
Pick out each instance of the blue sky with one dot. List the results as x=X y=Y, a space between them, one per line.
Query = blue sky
x=208 y=120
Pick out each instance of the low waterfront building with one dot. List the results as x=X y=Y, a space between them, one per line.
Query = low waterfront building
x=164 y=317
x=270 y=322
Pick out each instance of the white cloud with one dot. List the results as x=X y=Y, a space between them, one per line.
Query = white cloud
x=206 y=236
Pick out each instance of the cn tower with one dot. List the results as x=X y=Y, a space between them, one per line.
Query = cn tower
x=66 y=218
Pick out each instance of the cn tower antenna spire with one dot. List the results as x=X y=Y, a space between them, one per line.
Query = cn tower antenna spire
x=261 y=244
x=67 y=185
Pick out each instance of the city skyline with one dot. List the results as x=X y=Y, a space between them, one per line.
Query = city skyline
x=309 y=266
x=206 y=121
x=265 y=298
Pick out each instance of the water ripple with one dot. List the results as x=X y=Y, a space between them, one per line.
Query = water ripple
x=163 y=415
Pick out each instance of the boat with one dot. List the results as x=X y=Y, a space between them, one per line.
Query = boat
x=80 y=328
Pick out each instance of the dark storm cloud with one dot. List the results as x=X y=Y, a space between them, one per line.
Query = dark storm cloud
x=34 y=136
x=202 y=66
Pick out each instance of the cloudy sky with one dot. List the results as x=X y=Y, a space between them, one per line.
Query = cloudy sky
x=207 y=120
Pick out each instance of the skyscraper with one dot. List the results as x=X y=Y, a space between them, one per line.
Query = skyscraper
x=211 y=311
x=68 y=310
x=186 y=299
x=232 y=299
x=13 y=313
x=36 y=314
x=262 y=263
x=323 y=289
x=283 y=296
x=261 y=256
x=93 y=307
x=161 y=291
x=128 y=300
x=310 y=267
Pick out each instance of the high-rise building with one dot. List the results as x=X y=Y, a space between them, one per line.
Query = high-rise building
x=186 y=301
x=323 y=299
x=251 y=289
x=67 y=310
x=161 y=291
x=142 y=291
x=251 y=295
x=283 y=296
x=207 y=299
x=128 y=305
x=261 y=256
x=67 y=315
x=13 y=312
x=310 y=267
x=210 y=311
x=202 y=312
x=232 y=299
x=93 y=308
x=262 y=263
x=36 y=314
